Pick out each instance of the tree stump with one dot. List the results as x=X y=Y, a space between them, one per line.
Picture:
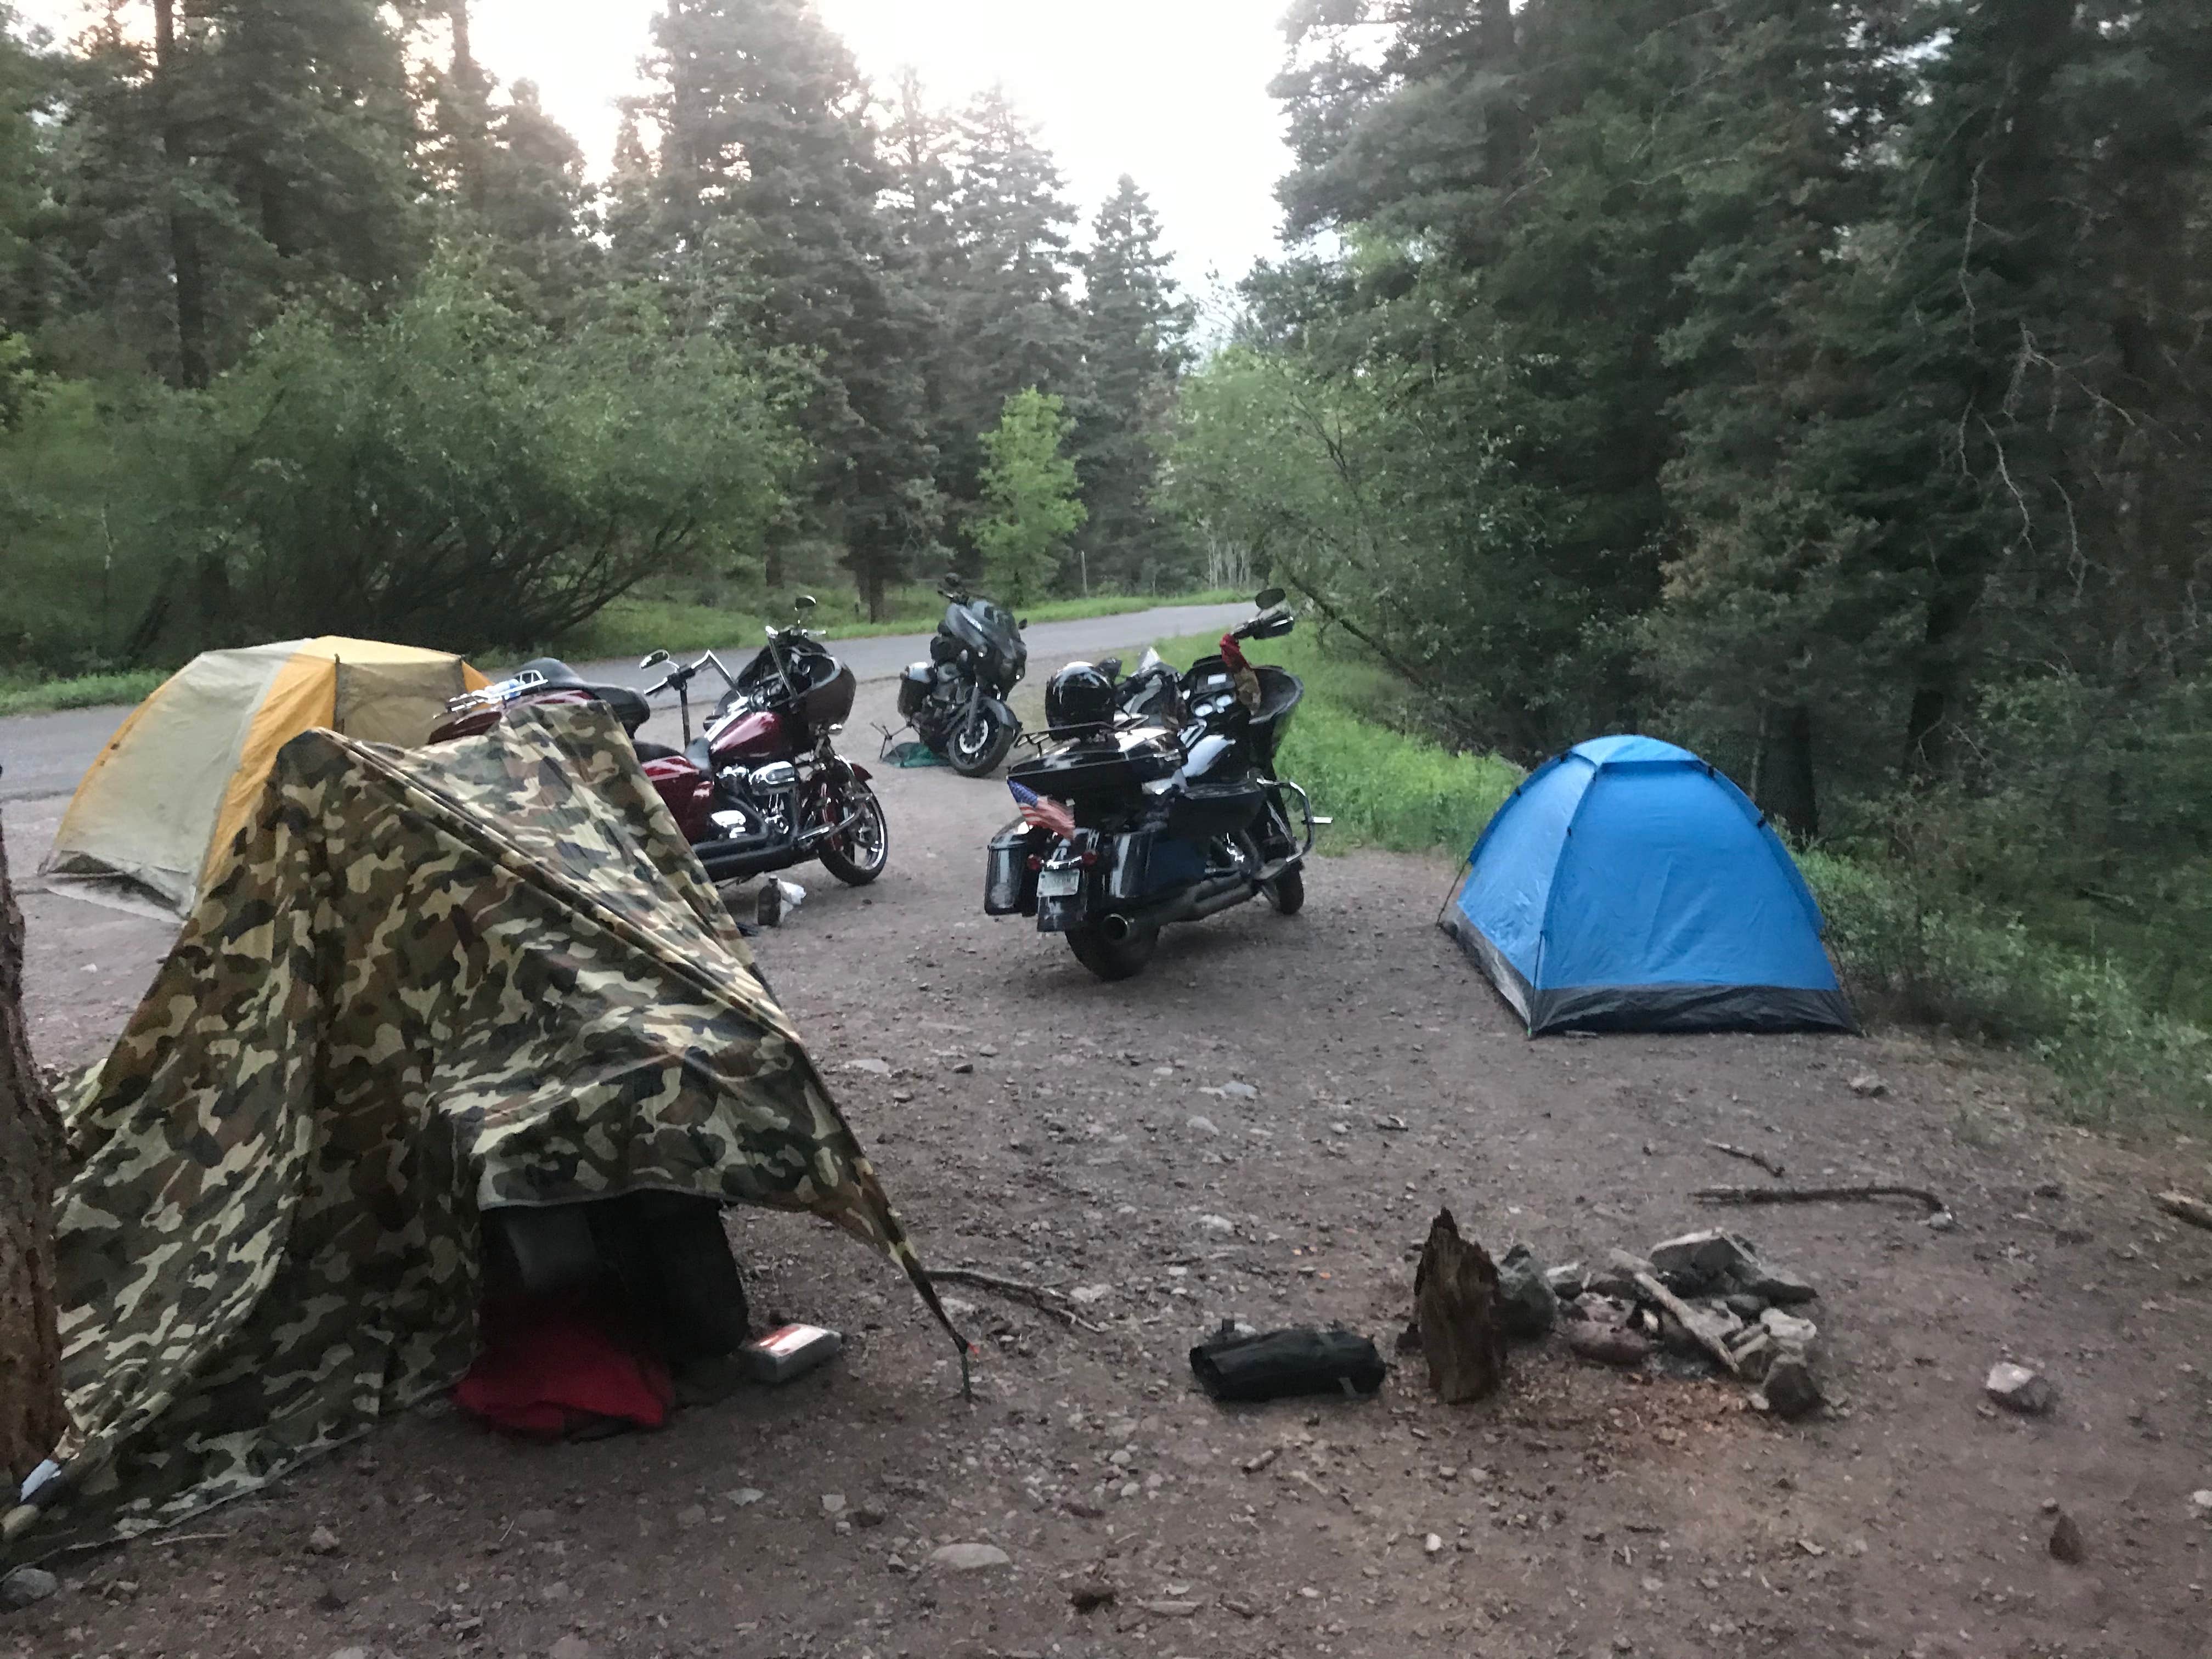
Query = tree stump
x=31 y=1415
x=1456 y=1305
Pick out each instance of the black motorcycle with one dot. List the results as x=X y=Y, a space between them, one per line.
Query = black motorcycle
x=956 y=701
x=1159 y=804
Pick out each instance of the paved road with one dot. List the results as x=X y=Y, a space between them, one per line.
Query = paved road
x=43 y=755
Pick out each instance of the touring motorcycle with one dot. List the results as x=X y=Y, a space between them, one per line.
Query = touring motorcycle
x=957 y=700
x=1159 y=803
x=763 y=787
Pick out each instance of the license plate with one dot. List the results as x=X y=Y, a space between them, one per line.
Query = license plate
x=1058 y=883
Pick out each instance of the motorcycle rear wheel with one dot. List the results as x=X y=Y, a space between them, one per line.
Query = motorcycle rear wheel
x=858 y=857
x=1113 y=959
x=979 y=747
x=1287 y=892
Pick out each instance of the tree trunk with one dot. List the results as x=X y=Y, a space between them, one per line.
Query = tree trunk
x=31 y=1415
x=183 y=235
x=473 y=95
x=1781 y=781
x=1940 y=673
x=1456 y=1303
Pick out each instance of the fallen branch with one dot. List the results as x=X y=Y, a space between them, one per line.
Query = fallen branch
x=1041 y=1297
x=1685 y=1316
x=1771 y=1165
x=2194 y=1211
x=1816 y=1194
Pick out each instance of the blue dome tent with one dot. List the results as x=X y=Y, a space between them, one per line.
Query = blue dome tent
x=1628 y=886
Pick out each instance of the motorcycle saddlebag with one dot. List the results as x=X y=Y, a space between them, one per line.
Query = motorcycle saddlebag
x=1203 y=810
x=1146 y=861
x=913 y=690
x=1009 y=884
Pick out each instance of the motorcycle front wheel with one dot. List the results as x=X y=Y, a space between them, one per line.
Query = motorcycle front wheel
x=857 y=857
x=1112 y=959
x=979 y=746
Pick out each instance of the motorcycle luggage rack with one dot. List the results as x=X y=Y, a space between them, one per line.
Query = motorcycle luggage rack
x=497 y=693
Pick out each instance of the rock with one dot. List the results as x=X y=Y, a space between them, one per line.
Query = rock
x=1698 y=1260
x=2201 y=1501
x=867 y=1514
x=1789 y=1331
x=1790 y=1389
x=833 y=1503
x=1606 y=1345
x=1091 y=1594
x=1568 y=1282
x=350 y=1653
x=1755 y=1353
x=1709 y=1324
x=1528 y=1306
x=1617 y=1279
x=27 y=1585
x=1087 y=1294
x=872 y=1067
x=744 y=1497
x=1216 y=1224
x=1432 y=1545
x=322 y=1541
x=970 y=1558
x=1744 y=1307
x=2066 y=1540
x=1169 y=1609
x=1867 y=1086
x=1778 y=1285
x=1941 y=1222
x=570 y=1647
x=1240 y=1091
x=2020 y=1390
x=691 y=1514
x=1202 y=1125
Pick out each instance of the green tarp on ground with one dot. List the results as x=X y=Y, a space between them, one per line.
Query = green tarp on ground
x=436 y=981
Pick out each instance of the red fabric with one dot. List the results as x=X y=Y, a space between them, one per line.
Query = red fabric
x=1233 y=654
x=546 y=1363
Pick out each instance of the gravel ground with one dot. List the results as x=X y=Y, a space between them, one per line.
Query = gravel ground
x=1222 y=1136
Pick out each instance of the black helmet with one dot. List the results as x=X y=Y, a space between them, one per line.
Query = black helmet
x=1077 y=698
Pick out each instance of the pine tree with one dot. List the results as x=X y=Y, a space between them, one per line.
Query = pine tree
x=766 y=199
x=1136 y=344
x=1010 y=311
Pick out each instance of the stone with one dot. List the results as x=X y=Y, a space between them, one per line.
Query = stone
x=1087 y=1294
x=1169 y=1609
x=27 y=1585
x=1941 y=1222
x=1789 y=1331
x=1777 y=1285
x=744 y=1497
x=1091 y=1594
x=970 y=1558
x=1744 y=1307
x=868 y=1514
x=1216 y=1224
x=570 y=1647
x=1528 y=1306
x=1202 y=1125
x=872 y=1067
x=1568 y=1282
x=2020 y=1390
x=1755 y=1353
x=1704 y=1258
x=1790 y=1388
x=691 y=1514
x=322 y=1541
x=1867 y=1086
x=1617 y=1279
x=1710 y=1323
x=1240 y=1091
x=2201 y=1501
x=833 y=1503
x=350 y=1653
x=1606 y=1345
x=1431 y=1545
x=2066 y=1540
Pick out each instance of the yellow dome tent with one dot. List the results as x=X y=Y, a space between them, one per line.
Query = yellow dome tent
x=161 y=805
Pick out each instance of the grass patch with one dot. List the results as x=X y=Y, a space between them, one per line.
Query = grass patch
x=1383 y=788
x=24 y=697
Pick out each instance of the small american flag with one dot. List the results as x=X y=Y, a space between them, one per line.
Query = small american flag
x=1042 y=812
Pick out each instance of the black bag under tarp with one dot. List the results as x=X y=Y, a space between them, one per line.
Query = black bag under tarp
x=1278 y=1365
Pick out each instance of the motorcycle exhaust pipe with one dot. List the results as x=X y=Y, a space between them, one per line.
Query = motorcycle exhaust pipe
x=1208 y=898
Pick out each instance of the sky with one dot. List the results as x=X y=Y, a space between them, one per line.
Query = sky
x=1172 y=92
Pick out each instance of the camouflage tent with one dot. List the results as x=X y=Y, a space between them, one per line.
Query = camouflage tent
x=433 y=981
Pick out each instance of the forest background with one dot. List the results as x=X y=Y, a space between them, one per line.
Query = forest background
x=1823 y=386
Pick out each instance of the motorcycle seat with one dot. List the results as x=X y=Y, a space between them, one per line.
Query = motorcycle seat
x=652 y=751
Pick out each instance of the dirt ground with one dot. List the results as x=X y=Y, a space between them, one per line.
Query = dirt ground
x=1036 y=1124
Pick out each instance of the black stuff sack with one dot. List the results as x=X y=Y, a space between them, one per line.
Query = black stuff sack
x=1278 y=1365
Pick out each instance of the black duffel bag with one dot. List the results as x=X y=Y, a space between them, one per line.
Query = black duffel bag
x=1277 y=1365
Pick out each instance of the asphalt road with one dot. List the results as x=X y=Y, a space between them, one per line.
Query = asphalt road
x=44 y=755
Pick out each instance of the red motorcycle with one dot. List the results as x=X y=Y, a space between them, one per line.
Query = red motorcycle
x=763 y=787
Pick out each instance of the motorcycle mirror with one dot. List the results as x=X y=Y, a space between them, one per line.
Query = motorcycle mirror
x=654 y=660
x=805 y=602
x=1024 y=622
x=1268 y=597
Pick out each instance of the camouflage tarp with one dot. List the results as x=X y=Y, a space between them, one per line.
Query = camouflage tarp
x=436 y=981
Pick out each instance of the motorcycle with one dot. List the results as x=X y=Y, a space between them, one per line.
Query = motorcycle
x=763 y=787
x=1159 y=805
x=956 y=701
